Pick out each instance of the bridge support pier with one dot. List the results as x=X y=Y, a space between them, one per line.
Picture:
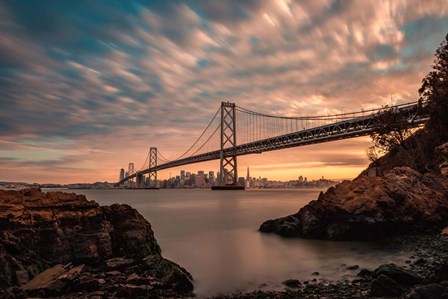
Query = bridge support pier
x=140 y=179
x=228 y=169
x=152 y=165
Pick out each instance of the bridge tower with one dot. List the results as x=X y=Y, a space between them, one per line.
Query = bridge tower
x=131 y=171
x=228 y=164
x=152 y=163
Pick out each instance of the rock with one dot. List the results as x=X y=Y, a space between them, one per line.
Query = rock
x=384 y=286
x=439 y=274
x=445 y=231
x=400 y=275
x=118 y=263
x=315 y=273
x=429 y=291
x=292 y=283
x=47 y=282
x=364 y=273
x=354 y=267
x=443 y=153
x=60 y=244
x=368 y=207
x=420 y=261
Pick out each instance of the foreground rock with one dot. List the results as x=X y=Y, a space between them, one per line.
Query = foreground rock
x=370 y=207
x=62 y=245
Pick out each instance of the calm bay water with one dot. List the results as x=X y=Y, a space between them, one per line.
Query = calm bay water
x=214 y=235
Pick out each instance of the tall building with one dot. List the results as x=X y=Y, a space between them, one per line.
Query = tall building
x=182 y=174
x=193 y=180
x=248 y=175
x=121 y=174
x=211 y=178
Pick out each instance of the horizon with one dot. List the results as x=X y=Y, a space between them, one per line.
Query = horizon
x=86 y=88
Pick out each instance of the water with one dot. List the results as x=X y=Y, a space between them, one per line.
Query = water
x=214 y=235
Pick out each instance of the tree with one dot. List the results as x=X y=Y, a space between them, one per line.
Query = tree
x=392 y=130
x=434 y=90
x=372 y=154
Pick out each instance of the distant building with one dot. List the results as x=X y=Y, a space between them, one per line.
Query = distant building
x=193 y=180
x=200 y=180
x=211 y=178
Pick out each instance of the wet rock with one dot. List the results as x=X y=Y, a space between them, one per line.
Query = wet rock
x=364 y=273
x=429 y=291
x=368 y=207
x=384 y=286
x=420 y=261
x=354 y=267
x=292 y=283
x=315 y=273
x=398 y=274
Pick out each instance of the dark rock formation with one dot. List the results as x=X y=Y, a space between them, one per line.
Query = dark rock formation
x=443 y=152
x=370 y=207
x=62 y=245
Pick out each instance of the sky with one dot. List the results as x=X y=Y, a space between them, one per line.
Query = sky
x=88 y=86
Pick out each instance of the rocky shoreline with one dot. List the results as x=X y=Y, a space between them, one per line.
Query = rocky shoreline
x=423 y=275
x=61 y=245
x=370 y=208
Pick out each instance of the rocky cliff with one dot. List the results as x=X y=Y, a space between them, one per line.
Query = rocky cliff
x=372 y=206
x=62 y=245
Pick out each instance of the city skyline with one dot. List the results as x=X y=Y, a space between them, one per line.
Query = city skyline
x=88 y=87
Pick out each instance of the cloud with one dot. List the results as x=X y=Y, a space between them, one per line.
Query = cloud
x=118 y=77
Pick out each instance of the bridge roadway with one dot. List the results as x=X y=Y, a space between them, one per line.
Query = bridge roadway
x=356 y=127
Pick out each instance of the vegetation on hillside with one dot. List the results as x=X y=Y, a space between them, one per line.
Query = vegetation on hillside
x=406 y=147
x=435 y=90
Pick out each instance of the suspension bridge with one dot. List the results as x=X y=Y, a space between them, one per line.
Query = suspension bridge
x=235 y=131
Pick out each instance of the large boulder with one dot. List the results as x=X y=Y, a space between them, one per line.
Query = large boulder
x=55 y=243
x=369 y=207
x=398 y=274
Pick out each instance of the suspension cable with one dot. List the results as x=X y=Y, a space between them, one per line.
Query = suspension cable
x=206 y=140
x=197 y=140
x=144 y=163
x=347 y=114
x=162 y=157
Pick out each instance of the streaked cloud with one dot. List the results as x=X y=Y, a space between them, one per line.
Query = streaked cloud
x=99 y=82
